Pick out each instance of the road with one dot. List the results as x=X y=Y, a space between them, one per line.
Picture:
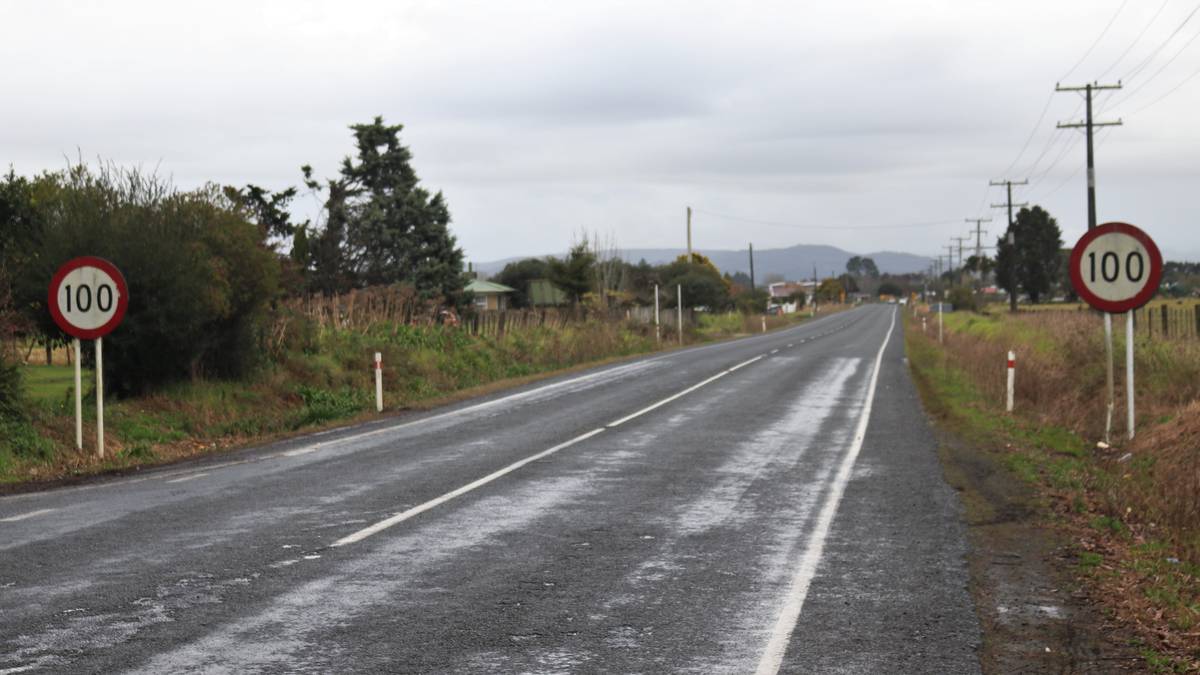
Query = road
x=770 y=504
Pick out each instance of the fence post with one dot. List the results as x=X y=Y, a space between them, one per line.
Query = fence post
x=1196 y=309
x=1166 y=327
x=1012 y=369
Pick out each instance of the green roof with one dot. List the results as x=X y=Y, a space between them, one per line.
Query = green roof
x=479 y=286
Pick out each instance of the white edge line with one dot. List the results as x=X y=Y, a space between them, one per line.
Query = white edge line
x=421 y=508
x=772 y=658
x=23 y=516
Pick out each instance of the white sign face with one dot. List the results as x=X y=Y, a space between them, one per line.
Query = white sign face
x=1115 y=266
x=88 y=297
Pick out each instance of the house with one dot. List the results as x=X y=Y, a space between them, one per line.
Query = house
x=489 y=295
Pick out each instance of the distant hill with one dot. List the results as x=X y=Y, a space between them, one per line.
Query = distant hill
x=794 y=262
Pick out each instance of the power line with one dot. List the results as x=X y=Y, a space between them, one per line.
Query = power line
x=1145 y=62
x=1135 y=40
x=1160 y=70
x=1170 y=91
x=1098 y=39
x=824 y=227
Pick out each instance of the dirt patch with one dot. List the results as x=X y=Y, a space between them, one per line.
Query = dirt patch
x=1035 y=617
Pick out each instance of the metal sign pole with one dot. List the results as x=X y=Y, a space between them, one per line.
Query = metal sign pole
x=1108 y=376
x=78 y=396
x=1129 y=423
x=100 y=397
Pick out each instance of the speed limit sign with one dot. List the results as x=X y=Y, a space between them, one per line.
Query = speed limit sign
x=88 y=297
x=1116 y=267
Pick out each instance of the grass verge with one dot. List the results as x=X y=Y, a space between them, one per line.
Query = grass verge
x=1129 y=512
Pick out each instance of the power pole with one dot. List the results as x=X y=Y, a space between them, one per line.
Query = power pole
x=1089 y=125
x=1091 y=199
x=1009 y=204
x=689 y=228
x=979 y=232
x=751 y=267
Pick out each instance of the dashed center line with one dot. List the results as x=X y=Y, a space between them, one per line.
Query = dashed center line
x=23 y=516
x=187 y=478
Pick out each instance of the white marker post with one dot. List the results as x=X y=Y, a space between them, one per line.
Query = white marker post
x=378 y=382
x=657 y=326
x=1012 y=374
x=924 y=327
x=87 y=300
x=764 y=322
x=1129 y=423
x=78 y=396
x=940 y=305
x=679 y=312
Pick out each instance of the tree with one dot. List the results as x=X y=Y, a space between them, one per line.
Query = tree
x=518 y=275
x=848 y=282
x=1006 y=268
x=381 y=226
x=703 y=284
x=858 y=266
x=1036 y=262
x=830 y=290
x=574 y=273
x=891 y=288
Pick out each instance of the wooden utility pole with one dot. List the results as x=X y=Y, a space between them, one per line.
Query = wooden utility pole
x=689 y=235
x=979 y=232
x=1089 y=125
x=751 y=267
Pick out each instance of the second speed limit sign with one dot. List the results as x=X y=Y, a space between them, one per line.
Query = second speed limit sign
x=88 y=297
x=1116 y=267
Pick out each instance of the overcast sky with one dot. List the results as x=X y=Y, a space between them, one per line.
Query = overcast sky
x=864 y=125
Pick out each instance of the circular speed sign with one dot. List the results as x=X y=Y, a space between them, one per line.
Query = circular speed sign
x=88 y=297
x=1116 y=267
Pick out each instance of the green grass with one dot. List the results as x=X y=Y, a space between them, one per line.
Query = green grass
x=51 y=384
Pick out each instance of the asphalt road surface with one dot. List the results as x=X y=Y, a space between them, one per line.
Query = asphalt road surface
x=770 y=504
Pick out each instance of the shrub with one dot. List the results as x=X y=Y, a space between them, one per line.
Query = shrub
x=963 y=298
x=200 y=276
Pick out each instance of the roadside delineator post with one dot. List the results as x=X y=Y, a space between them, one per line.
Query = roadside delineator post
x=378 y=382
x=764 y=322
x=941 y=303
x=924 y=327
x=1012 y=371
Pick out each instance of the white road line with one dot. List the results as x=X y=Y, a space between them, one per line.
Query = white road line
x=416 y=510
x=421 y=508
x=772 y=658
x=23 y=516
x=187 y=478
x=675 y=396
x=774 y=351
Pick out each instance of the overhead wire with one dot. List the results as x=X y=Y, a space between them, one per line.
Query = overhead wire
x=776 y=223
x=1136 y=70
x=1136 y=40
x=1099 y=37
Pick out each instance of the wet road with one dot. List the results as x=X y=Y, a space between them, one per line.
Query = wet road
x=772 y=504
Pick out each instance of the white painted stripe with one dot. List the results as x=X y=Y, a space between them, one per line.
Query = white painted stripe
x=774 y=351
x=772 y=658
x=187 y=478
x=23 y=516
x=685 y=392
x=745 y=363
x=422 y=508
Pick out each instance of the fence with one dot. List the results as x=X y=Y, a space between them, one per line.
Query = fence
x=1168 y=322
x=361 y=309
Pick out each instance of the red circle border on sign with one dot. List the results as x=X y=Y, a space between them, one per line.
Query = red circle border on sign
x=1116 y=306
x=122 y=299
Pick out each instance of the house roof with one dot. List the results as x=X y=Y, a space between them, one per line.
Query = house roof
x=479 y=286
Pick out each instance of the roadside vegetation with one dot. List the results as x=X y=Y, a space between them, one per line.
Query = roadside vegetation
x=1132 y=510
